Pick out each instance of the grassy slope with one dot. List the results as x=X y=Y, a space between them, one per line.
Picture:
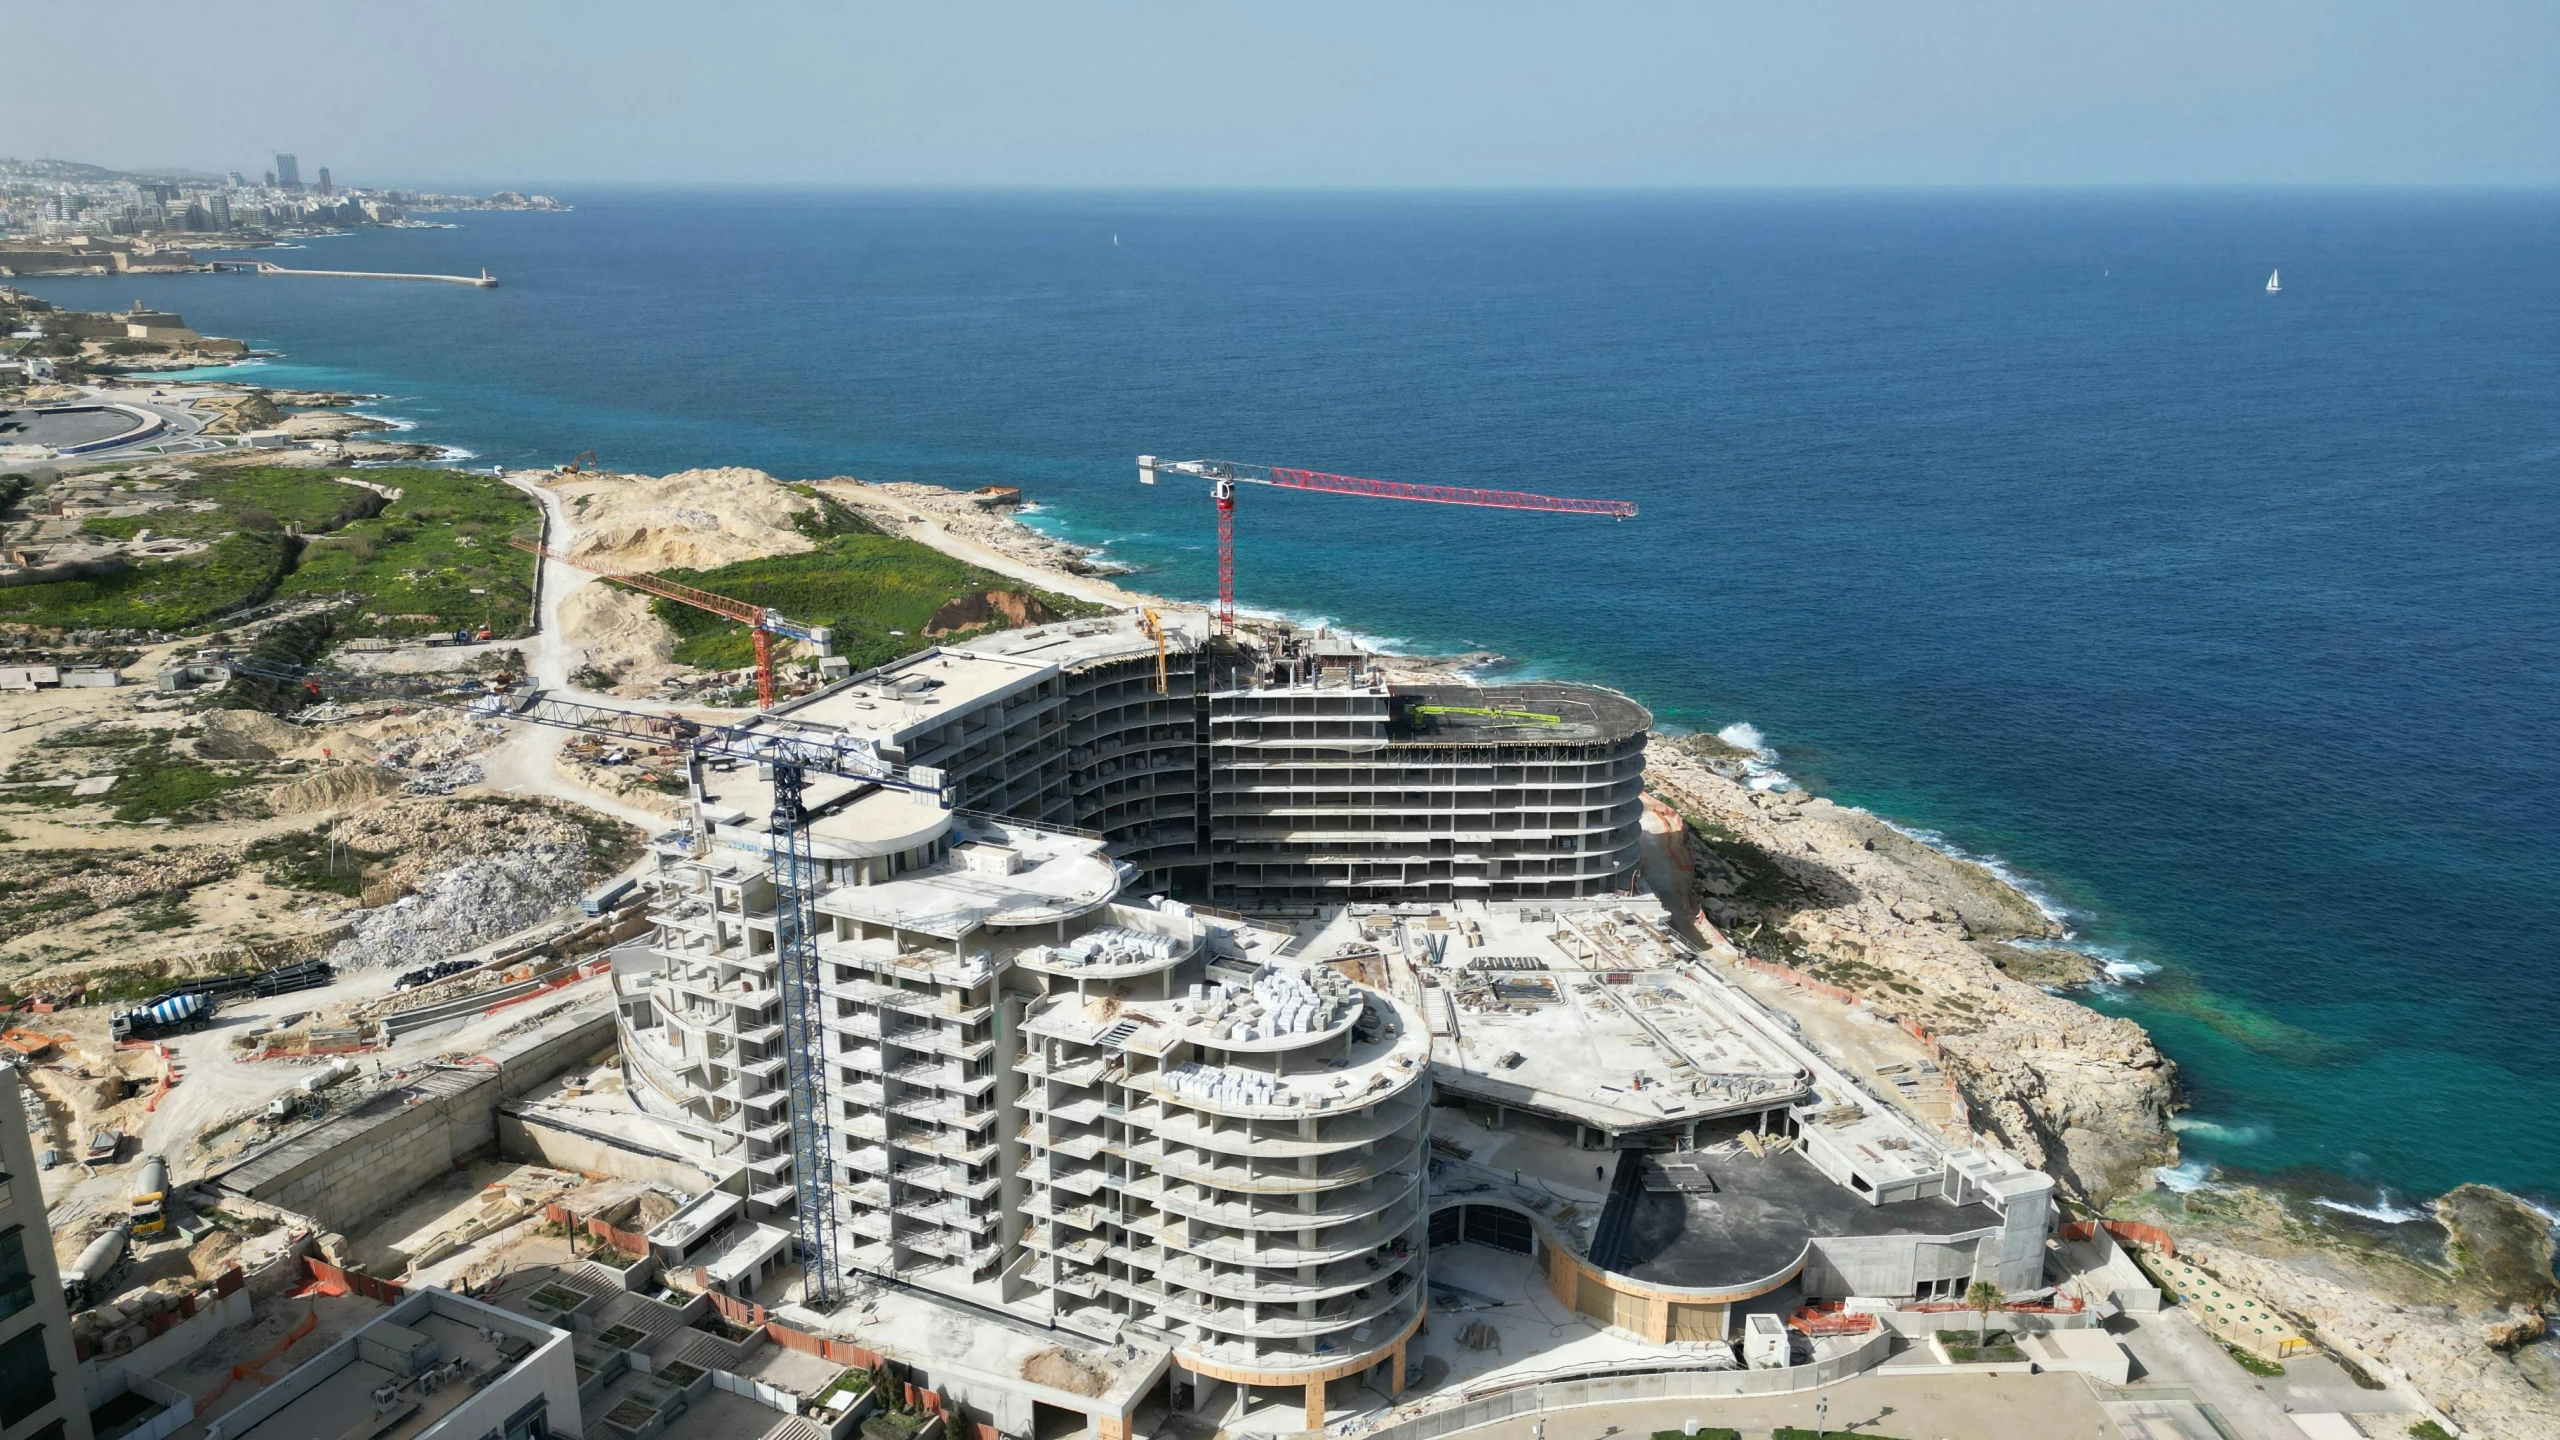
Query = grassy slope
x=859 y=581
x=413 y=561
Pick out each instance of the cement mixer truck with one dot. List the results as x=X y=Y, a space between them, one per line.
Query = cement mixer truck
x=151 y=1198
x=165 y=1015
x=85 y=1280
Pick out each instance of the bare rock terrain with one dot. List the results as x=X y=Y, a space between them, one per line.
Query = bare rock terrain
x=1840 y=895
x=690 y=520
x=2469 y=1334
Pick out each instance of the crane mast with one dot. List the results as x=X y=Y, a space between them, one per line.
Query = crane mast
x=1225 y=475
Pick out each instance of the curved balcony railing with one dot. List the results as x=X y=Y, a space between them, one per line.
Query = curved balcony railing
x=1402 y=1112
x=1341 y=1205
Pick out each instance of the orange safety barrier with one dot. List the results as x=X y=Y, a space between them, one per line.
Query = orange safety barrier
x=168 y=1079
x=629 y=1242
x=250 y=1369
x=1830 y=1320
x=327 y=1279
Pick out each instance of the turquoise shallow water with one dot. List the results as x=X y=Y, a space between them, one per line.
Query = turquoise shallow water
x=2225 y=618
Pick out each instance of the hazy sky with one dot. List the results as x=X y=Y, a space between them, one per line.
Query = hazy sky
x=1963 y=92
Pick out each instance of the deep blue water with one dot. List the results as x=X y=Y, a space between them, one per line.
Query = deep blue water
x=2225 y=617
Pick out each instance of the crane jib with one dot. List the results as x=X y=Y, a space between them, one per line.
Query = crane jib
x=1447 y=494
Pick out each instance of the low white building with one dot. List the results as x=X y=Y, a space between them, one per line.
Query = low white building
x=435 y=1366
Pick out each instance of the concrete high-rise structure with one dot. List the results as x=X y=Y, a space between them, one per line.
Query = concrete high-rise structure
x=1041 y=1084
x=40 y=1391
x=1286 y=773
x=1046 y=1099
x=288 y=171
x=324 y=180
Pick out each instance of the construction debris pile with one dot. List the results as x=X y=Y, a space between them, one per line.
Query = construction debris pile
x=478 y=901
x=472 y=873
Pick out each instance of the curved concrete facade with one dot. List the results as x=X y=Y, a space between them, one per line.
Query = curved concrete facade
x=1255 y=1196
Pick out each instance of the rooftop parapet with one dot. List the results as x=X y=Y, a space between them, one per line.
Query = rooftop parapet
x=999 y=875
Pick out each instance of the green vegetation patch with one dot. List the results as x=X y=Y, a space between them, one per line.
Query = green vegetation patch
x=312 y=860
x=2263 y=1369
x=865 y=586
x=1705 y=1432
x=151 y=782
x=1965 y=1348
x=890 y=1425
x=236 y=571
x=436 y=559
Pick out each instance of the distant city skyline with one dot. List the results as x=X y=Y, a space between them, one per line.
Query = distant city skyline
x=1497 y=94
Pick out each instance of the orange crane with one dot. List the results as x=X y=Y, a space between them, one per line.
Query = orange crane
x=763 y=621
x=1224 y=475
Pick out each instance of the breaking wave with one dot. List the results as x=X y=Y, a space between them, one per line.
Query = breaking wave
x=1760 y=769
x=2185 y=1179
x=2381 y=1211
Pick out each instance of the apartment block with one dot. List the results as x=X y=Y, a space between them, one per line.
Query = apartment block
x=40 y=1392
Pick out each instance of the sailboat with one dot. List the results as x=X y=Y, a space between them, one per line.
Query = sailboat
x=2272 y=286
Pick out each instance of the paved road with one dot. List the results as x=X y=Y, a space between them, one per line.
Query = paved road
x=528 y=758
x=2170 y=1351
x=1934 y=1407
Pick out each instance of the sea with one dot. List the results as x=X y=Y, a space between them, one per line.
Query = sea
x=2222 y=618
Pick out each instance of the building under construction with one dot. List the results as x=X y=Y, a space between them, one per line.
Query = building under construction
x=1025 y=1077
x=1278 y=772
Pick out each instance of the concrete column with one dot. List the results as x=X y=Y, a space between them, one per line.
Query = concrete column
x=1395 y=1376
x=1315 y=1404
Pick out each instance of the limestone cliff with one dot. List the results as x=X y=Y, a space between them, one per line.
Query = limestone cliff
x=1839 y=894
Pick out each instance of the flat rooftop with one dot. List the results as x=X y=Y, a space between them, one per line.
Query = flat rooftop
x=332 y=1394
x=895 y=704
x=1580 y=1014
x=968 y=1341
x=1071 y=643
x=1761 y=1213
x=997 y=874
x=1525 y=713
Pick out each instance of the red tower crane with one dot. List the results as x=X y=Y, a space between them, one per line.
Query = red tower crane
x=763 y=621
x=1225 y=475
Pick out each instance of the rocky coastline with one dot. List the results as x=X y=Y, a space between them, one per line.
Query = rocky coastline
x=1836 y=894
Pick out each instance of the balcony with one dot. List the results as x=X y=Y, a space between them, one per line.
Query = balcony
x=1336 y=1207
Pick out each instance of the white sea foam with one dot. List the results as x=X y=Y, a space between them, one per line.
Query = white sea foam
x=2184 y=1179
x=2221 y=1132
x=1759 y=769
x=454 y=453
x=2382 y=1211
x=394 y=423
x=2052 y=909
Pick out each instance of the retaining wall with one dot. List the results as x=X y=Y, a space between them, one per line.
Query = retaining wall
x=561 y=1144
x=348 y=1170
